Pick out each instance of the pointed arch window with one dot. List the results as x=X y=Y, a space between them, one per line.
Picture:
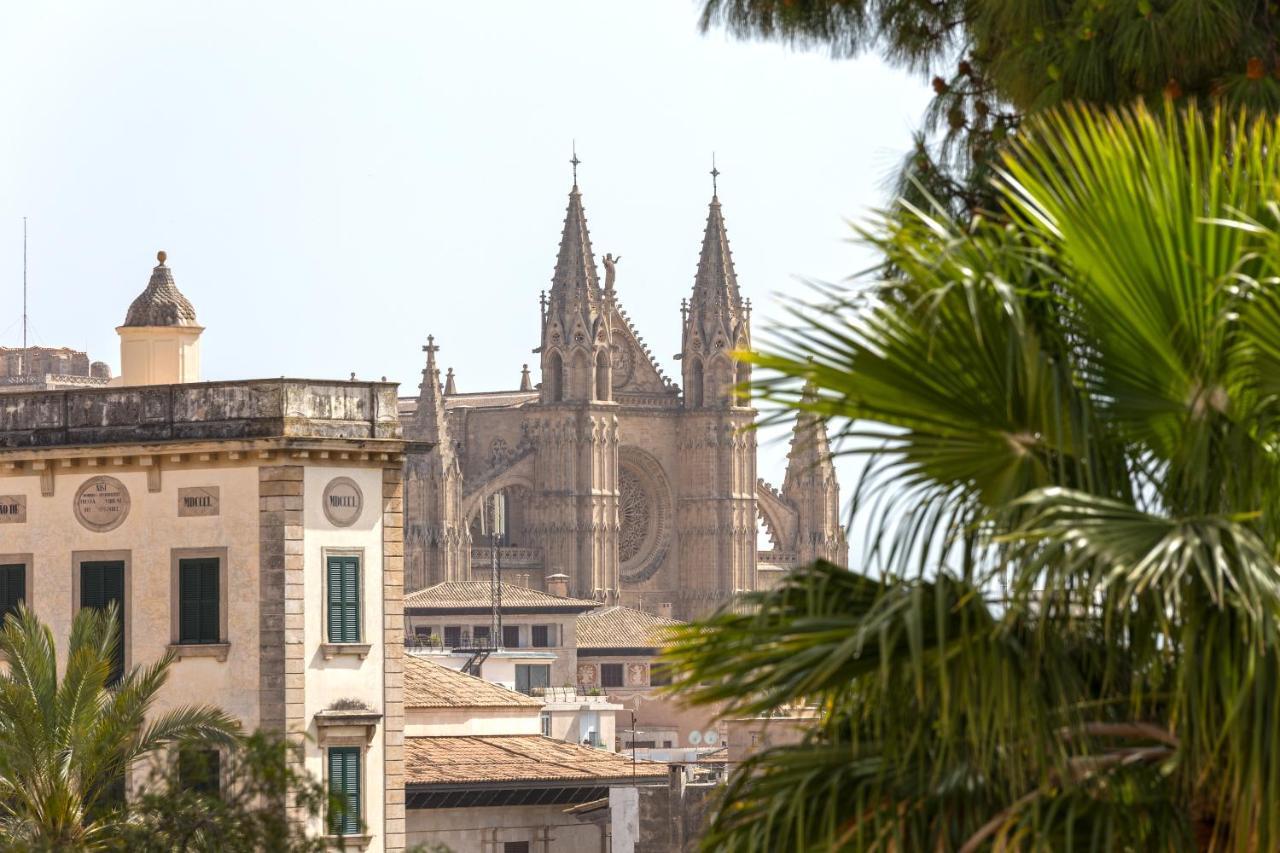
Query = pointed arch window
x=603 y=381
x=554 y=377
x=693 y=394
x=742 y=386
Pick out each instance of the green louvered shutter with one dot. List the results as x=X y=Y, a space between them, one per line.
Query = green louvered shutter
x=344 y=790
x=13 y=588
x=198 y=601
x=100 y=584
x=344 y=599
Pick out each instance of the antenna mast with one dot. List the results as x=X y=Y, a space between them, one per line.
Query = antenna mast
x=25 y=357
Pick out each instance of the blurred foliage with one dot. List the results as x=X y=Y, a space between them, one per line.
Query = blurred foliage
x=994 y=62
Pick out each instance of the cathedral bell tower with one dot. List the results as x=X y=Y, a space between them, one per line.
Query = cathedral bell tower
x=575 y=426
x=717 y=448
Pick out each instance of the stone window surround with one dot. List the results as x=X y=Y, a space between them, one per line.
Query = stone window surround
x=27 y=561
x=123 y=556
x=331 y=650
x=360 y=741
x=216 y=650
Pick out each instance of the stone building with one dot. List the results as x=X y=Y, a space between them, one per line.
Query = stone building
x=49 y=368
x=253 y=528
x=641 y=490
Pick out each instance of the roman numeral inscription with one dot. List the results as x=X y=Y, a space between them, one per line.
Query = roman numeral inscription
x=199 y=501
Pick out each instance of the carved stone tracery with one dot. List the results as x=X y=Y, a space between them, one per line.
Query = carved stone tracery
x=633 y=507
x=644 y=510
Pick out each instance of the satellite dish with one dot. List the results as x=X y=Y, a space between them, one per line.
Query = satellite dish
x=695 y=737
x=711 y=738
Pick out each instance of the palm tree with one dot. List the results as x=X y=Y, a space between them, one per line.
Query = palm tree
x=1063 y=631
x=65 y=746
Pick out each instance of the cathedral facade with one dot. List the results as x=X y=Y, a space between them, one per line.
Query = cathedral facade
x=606 y=476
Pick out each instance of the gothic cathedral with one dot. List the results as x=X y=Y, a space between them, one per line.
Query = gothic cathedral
x=634 y=489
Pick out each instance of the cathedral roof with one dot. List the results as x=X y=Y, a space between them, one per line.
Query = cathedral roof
x=161 y=304
x=619 y=627
x=464 y=596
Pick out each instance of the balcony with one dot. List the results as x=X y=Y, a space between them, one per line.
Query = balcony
x=464 y=642
x=511 y=557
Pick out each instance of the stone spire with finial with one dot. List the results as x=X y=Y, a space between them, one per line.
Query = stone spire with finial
x=429 y=420
x=716 y=321
x=526 y=381
x=576 y=322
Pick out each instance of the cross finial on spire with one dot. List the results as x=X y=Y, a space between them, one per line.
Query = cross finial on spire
x=574 y=162
x=431 y=348
x=715 y=173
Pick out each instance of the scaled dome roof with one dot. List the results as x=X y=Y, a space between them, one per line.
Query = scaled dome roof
x=161 y=304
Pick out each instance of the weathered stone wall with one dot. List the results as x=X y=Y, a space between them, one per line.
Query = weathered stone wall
x=207 y=410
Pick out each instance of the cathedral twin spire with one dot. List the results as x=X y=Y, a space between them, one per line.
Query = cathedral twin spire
x=576 y=328
x=716 y=309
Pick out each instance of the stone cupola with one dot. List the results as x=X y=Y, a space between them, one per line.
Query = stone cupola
x=160 y=338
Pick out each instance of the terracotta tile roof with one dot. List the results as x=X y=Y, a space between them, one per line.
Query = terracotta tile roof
x=469 y=595
x=619 y=627
x=514 y=758
x=430 y=685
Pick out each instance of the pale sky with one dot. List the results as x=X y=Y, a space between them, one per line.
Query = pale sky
x=335 y=181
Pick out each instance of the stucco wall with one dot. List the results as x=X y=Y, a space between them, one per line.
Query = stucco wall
x=150 y=533
x=547 y=829
x=345 y=676
x=440 y=722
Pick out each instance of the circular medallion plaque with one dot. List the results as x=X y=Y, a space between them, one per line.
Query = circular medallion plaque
x=342 y=502
x=102 y=504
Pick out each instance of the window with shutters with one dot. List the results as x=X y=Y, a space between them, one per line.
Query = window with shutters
x=199 y=600
x=611 y=675
x=511 y=636
x=101 y=585
x=13 y=588
x=542 y=636
x=344 y=790
x=452 y=636
x=343 y=591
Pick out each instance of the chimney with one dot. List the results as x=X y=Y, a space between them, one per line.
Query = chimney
x=664 y=610
x=558 y=584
